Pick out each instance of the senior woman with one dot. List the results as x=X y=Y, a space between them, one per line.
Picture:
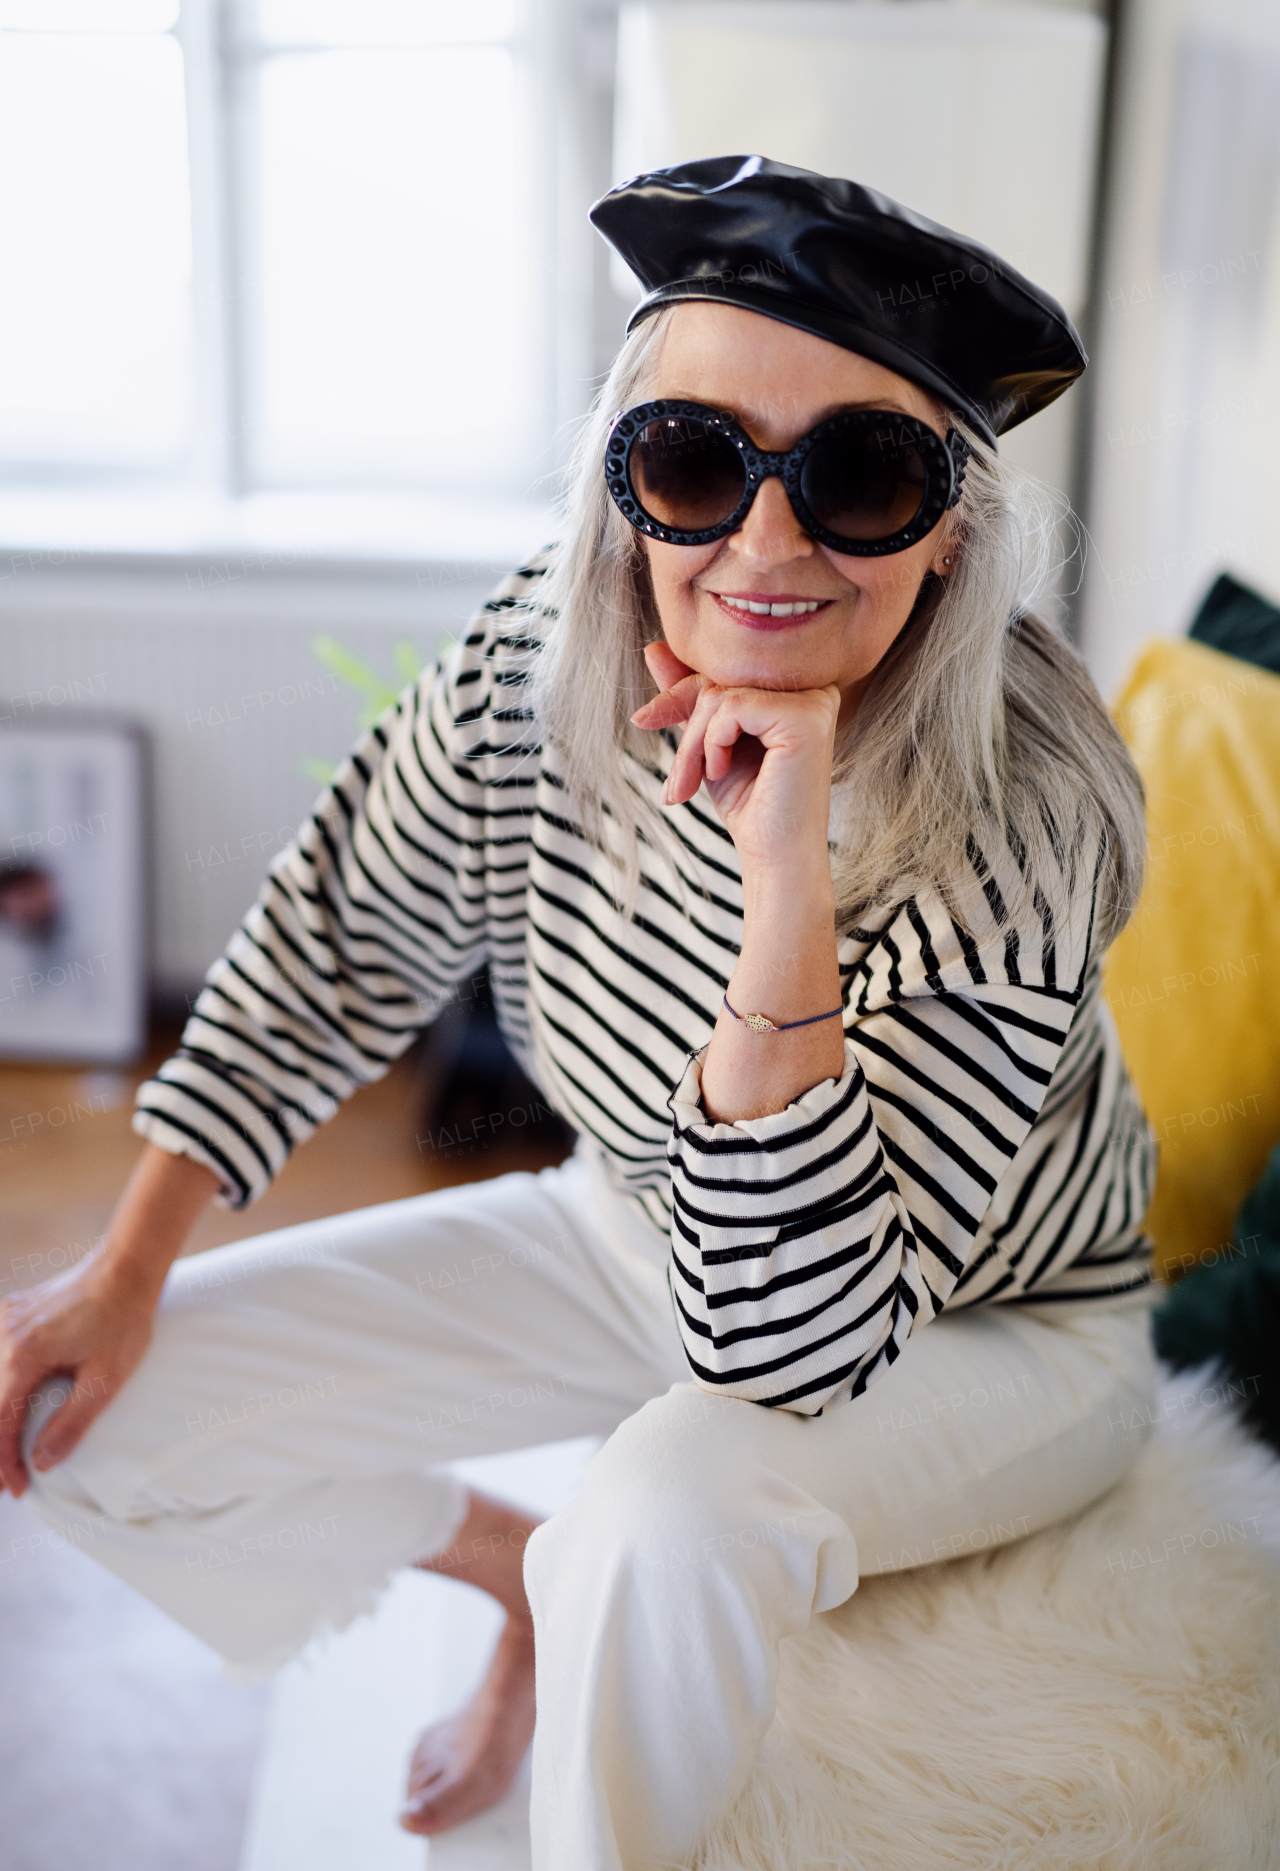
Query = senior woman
x=847 y=1267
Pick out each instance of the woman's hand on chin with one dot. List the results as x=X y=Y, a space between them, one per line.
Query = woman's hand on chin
x=765 y=755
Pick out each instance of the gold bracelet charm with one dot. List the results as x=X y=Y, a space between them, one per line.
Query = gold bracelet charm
x=759 y=1024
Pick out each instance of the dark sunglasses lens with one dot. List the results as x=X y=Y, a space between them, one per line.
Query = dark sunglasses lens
x=864 y=484
x=685 y=475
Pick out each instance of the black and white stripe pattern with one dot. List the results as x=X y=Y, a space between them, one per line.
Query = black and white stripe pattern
x=982 y=1144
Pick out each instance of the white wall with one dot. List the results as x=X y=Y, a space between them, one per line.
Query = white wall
x=213 y=658
x=1185 y=476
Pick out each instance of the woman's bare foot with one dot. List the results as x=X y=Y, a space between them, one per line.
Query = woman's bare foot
x=464 y=1764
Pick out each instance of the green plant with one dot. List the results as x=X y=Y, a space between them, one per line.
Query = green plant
x=364 y=681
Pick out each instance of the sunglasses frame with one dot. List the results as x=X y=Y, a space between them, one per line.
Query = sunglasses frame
x=944 y=466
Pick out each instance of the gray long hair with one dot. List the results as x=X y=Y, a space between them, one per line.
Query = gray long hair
x=979 y=715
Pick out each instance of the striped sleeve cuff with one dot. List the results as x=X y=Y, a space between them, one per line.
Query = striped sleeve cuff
x=192 y=1111
x=788 y=1240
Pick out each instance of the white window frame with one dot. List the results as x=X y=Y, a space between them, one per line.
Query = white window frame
x=212 y=505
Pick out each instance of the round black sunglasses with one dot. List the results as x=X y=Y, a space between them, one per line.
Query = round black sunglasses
x=864 y=482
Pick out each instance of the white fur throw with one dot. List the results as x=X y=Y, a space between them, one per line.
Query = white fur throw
x=1103 y=1696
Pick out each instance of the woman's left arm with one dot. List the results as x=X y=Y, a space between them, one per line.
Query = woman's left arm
x=828 y=1183
x=766 y=759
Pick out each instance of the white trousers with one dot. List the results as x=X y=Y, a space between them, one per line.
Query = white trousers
x=275 y=1458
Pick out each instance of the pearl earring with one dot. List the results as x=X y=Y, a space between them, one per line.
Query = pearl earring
x=946 y=561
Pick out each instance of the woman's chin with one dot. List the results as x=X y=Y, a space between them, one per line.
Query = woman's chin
x=766 y=660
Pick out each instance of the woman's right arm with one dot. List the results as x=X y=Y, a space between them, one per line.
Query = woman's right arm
x=408 y=877
x=92 y=1324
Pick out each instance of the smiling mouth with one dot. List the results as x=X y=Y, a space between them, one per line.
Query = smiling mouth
x=770 y=607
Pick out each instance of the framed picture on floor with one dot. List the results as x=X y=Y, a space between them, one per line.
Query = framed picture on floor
x=73 y=891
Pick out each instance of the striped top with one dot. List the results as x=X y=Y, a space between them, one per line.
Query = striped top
x=983 y=1142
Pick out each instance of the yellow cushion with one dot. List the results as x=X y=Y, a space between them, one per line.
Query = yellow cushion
x=1194 y=981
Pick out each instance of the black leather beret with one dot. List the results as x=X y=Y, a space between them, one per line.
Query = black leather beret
x=847 y=264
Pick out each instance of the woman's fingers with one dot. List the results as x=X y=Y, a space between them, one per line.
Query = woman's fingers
x=679 y=687
x=72 y=1330
x=722 y=734
x=21 y=1380
x=719 y=721
x=664 y=665
x=689 y=767
x=798 y=724
x=87 y=1396
x=673 y=705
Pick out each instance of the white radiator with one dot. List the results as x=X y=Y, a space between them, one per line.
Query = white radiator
x=215 y=663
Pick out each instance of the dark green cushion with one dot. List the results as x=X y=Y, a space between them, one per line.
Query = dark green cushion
x=1227 y=1312
x=1240 y=622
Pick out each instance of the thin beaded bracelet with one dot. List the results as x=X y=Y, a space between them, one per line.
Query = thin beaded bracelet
x=759 y=1024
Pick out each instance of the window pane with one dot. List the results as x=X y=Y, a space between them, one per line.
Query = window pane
x=95 y=315
x=398 y=315
x=383 y=22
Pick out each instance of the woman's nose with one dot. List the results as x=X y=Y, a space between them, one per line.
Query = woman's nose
x=771 y=534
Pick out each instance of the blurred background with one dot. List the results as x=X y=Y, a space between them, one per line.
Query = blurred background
x=299 y=310
x=301 y=306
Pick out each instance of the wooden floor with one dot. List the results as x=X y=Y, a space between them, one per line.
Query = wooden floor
x=66 y=1148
